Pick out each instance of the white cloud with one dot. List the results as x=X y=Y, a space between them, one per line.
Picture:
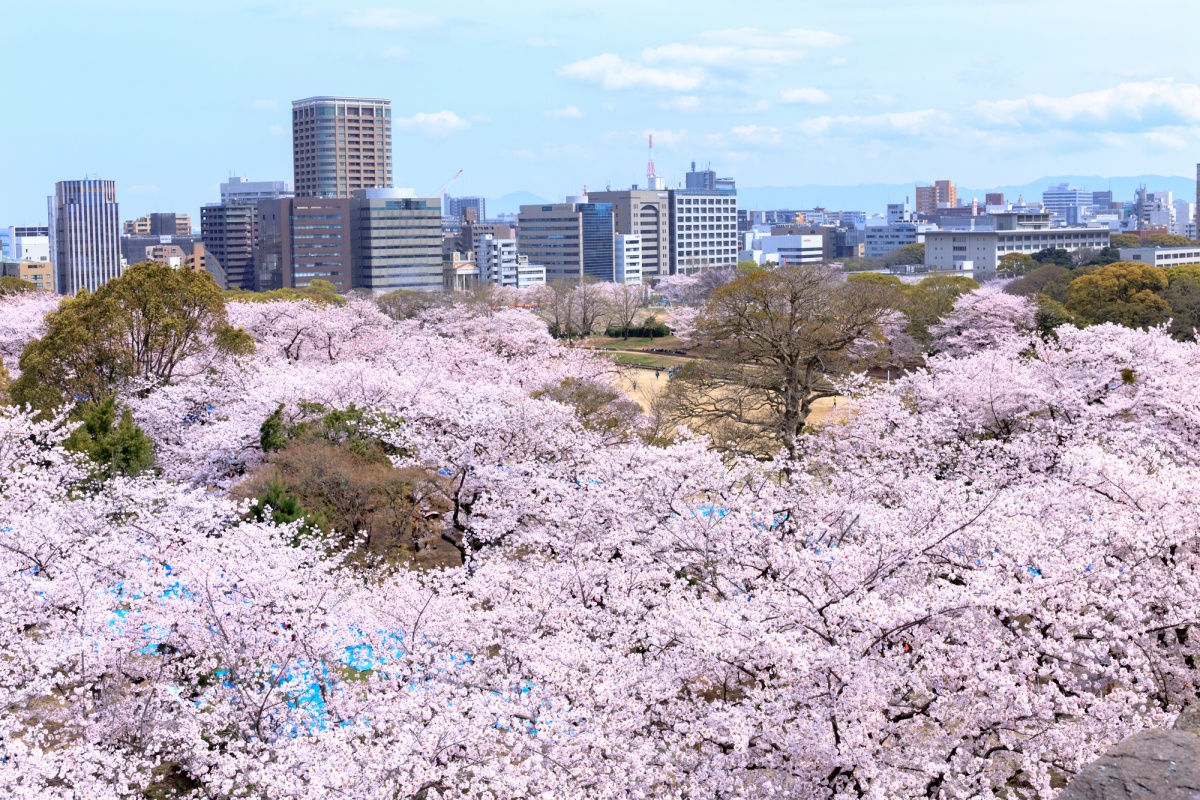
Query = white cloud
x=803 y=95
x=727 y=56
x=389 y=19
x=611 y=72
x=1132 y=106
x=758 y=134
x=540 y=43
x=903 y=123
x=439 y=123
x=683 y=102
x=666 y=138
x=570 y=112
x=264 y=105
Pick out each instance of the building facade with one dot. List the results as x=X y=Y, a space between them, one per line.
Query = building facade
x=159 y=224
x=341 y=145
x=85 y=234
x=303 y=239
x=940 y=194
x=26 y=242
x=228 y=233
x=243 y=190
x=1014 y=233
x=39 y=273
x=454 y=207
x=880 y=240
x=629 y=259
x=572 y=240
x=645 y=214
x=1162 y=256
x=397 y=241
x=703 y=230
x=1061 y=198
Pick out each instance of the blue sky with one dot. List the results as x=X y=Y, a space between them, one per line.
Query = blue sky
x=170 y=98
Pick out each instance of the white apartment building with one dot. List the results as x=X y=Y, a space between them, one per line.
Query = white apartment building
x=1162 y=256
x=1014 y=233
x=703 y=230
x=528 y=275
x=629 y=259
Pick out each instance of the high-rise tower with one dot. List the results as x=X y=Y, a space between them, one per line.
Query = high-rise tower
x=85 y=234
x=341 y=144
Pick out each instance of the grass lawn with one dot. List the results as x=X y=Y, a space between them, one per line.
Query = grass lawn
x=635 y=343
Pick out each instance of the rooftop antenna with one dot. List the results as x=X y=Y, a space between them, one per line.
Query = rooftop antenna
x=651 y=173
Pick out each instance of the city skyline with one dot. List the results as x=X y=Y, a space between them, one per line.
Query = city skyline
x=553 y=99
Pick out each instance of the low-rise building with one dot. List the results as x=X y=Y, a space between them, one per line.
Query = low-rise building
x=1162 y=256
x=39 y=273
x=880 y=240
x=629 y=259
x=1025 y=233
x=460 y=273
x=793 y=249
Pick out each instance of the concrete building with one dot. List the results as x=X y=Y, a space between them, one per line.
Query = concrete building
x=39 y=273
x=141 y=248
x=704 y=231
x=1183 y=218
x=880 y=240
x=1060 y=199
x=899 y=212
x=455 y=206
x=341 y=145
x=228 y=233
x=529 y=274
x=940 y=194
x=572 y=240
x=1013 y=233
x=1162 y=256
x=460 y=273
x=303 y=239
x=705 y=180
x=992 y=199
x=629 y=259
x=647 y=215
x=397 y=241
x=85 y=234
x=26 y=242
x=244 y=190
x=793 y=249
x=159 y=224
x=497 y=260
x=202 y=260
x=229 y=228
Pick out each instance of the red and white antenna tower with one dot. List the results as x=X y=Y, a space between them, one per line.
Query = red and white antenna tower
x=651 y=174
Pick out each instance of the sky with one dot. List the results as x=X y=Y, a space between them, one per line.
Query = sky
x=169 y=99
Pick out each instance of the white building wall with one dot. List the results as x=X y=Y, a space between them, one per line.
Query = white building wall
x=629 y=259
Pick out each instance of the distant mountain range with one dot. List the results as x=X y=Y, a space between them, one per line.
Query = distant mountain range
x=872 y=197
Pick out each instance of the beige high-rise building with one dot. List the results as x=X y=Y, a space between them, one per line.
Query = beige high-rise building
x=341 y=145
x=644 y=213
x=942 y=194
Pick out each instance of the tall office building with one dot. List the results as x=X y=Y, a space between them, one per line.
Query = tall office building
x=572 y=240
x=229 y=228
x=645 y=214
x=341 y=145
x=397 y=241
x=455 y=206
x=303 y=239
x=1061 y=198
x=85 y=234
x=703 y=230
x=941 y=194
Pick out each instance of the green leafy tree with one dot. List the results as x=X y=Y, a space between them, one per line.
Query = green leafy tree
x=1183 y=295
x=1125 y=293
x=1035 y=281
x=10 y=285
x=876 y=278
x=1053 y=255
x=1120 y=240
x=745 y=267
x=926 y=303
x=909 y=254
x=1051 y=314
x=5 y=382
x=317 y=291
x=1106 y=256
x=1013 y=265
x=111 y=440
x=137 y=328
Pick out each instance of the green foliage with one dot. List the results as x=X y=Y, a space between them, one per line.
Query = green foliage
x=353 y=427
x=1053 y=255
x=405 y=304
x=1106 y=256
x=318 y=291
x=10 y=285
x=1035 y=282
x=649 y=329
x=747 y=266
x=909 y=254
x=1149 y=240
x=1183 y=296
x=1125 y=293
x=278 y=504
x=877 y=278
x=5 y=382
x=117 y=446
x=1013 y=265
x=598 y=407
x=140 y=326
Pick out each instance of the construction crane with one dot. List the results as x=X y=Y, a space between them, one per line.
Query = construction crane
x=442 y=191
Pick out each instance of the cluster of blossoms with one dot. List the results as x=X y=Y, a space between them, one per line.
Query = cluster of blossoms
x=973 y=581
